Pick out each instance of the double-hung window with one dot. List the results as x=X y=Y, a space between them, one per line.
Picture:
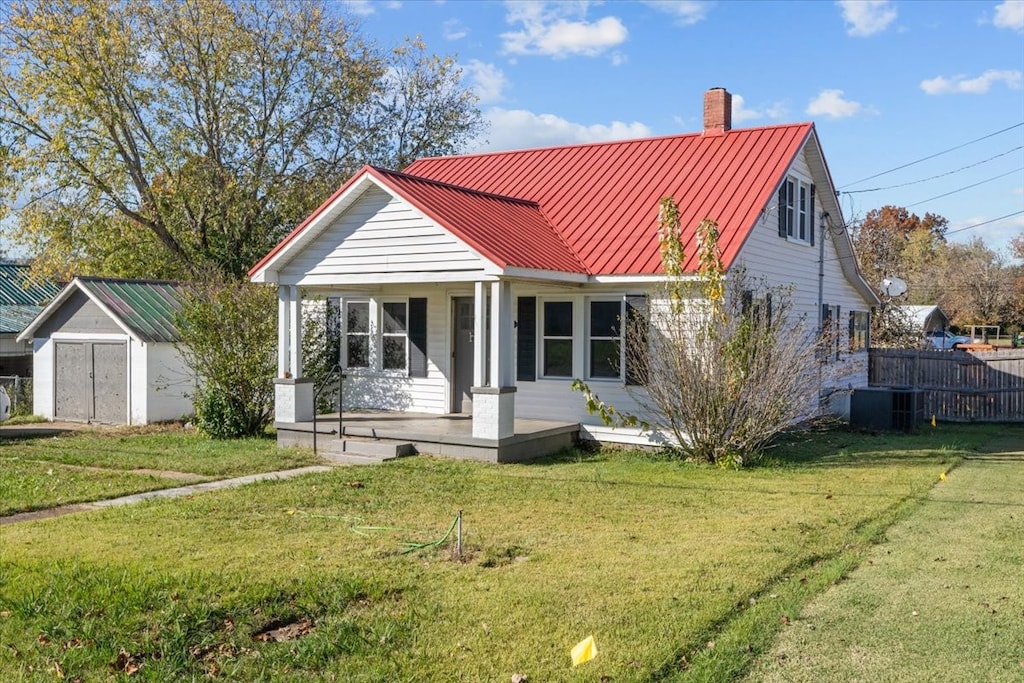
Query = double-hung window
x=860 y=321
x=604 y=339
x=796 y=210
x=557 y=339
x=357 y=334
x=394 y=335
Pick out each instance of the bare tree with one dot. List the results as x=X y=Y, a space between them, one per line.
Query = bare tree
x=723 y=363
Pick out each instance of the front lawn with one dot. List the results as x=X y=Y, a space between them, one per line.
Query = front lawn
x=39 y=472
x=680 y=572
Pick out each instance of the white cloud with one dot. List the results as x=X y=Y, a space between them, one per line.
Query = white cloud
x=940 y=85
x=867 y=17
x=560 y=30
x=1010 y=14
x=686 y=12
x=364 y=8
x=740 y=113
x=453 y=29
x=487 y=80
x=521 y=129
x=831 y=103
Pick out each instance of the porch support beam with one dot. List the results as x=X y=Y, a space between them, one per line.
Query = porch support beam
x=283 y=331
x=479 y=334
x=501 y=334
x=494 y=405
x=293 y=395
x=295 y=333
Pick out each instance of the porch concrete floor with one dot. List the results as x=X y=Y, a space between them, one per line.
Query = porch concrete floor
x=446 y=435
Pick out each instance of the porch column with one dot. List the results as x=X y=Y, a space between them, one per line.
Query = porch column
x=293 y=394
x=479 y=334
x=494 y=405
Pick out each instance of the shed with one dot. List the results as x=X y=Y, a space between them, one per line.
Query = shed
x=104 y=351
x=926 y=318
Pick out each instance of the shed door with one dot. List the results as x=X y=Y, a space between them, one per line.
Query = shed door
x=91 y=381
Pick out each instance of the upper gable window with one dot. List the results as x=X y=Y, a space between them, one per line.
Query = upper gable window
x=796 y=210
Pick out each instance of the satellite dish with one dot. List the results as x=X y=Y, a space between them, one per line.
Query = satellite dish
x=893 y=286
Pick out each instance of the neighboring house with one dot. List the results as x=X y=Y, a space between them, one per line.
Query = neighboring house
x=475 y=284
x=103 y=351
x=22 y=297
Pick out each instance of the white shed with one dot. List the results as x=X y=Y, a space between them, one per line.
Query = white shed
x=104 y=351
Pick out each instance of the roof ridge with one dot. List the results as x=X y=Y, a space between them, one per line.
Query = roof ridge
x=600 y=143
x=123 y=280
x=453 y=186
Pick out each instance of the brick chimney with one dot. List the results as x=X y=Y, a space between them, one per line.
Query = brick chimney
x=717 y=111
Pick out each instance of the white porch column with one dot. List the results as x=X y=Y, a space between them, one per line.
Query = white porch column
x=494 y=405
x=295 y=338
x=293 y=395
x=283 y=332
x=479 y=334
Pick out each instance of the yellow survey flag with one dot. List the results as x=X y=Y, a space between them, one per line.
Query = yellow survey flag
x=933 y=420
x=942 y=476
x=584 y=651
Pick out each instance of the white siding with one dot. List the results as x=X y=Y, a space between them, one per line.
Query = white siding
x=393 y=390
x=42 y=378
x=788 y=263
x=169 y=384
x=379 y=234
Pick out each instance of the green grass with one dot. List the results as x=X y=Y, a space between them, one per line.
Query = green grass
x=939 y=599
x=40 y=472
x=655 y=558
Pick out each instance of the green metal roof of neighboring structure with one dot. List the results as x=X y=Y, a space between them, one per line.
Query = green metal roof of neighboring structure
x=146 y=307
x=22 y=296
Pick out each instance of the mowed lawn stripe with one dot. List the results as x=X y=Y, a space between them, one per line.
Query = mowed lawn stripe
x=940 y=599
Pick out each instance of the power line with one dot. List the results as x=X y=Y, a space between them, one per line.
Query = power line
x=978 y=225
x=966 y=187
x=932 y=156
x=935 y=177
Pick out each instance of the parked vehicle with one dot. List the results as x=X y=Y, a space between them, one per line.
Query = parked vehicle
x=5 y=405
x=944 y=339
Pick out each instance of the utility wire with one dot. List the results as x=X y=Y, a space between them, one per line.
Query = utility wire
x=966 y=187
x=935 y=177
x=932 y=156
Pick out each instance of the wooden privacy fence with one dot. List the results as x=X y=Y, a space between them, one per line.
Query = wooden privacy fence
x=961 y=386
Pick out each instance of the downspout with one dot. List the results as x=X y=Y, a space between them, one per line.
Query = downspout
x=821 y=297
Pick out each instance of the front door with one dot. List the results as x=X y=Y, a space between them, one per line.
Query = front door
x=462 y=354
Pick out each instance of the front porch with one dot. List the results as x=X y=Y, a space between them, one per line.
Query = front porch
x=444 y=435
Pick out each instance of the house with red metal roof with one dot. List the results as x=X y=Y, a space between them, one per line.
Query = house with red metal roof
x=473 y=285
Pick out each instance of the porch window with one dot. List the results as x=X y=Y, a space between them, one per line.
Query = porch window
x=557 y=345
x=605 y=339
x=394 y=335
x=357 y=334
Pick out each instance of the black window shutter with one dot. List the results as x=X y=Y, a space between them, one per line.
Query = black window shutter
x=635 y=336
x=852 y=329
x=333 y=324
x=526 y=339
x=747 y=302
x=782 y=210
x=811 y=216
x=867 y=331
x=418 y=337
x=768 y=309
x=836 y=332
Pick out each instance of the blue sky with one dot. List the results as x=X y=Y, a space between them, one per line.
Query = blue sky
x=887 y=83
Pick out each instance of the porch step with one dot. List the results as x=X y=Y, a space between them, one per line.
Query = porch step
x=361 y=451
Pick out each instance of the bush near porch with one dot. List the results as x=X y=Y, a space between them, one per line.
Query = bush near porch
x=680 y=572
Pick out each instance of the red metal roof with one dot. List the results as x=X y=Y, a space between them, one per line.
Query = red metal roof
x=506 y=230
x=603 y=198
x=593 y=208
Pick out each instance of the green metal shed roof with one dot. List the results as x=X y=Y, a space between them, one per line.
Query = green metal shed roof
x=18 y=288
x=146 y=307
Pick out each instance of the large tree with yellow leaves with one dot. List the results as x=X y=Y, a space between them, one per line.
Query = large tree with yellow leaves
x=144 y=138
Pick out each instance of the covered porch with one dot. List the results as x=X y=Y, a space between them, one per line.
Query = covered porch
x=383 y=435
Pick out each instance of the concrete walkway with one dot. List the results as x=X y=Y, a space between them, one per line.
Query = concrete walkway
x=162 y=493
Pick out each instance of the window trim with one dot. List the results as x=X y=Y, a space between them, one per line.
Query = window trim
x=544 y=337
x=589 y=338
x=369 y=334
x=796 y=209
x=383 y=335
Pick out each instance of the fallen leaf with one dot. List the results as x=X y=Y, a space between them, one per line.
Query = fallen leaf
x=519 y=678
